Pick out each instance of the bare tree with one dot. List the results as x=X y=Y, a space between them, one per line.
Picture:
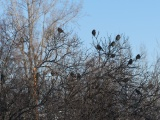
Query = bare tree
x=34 y=46
x=45 y=74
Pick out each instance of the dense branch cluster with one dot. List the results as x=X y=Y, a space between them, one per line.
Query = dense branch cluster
x=46 y=75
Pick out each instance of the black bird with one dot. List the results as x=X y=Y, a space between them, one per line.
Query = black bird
x=78 y=76
x=60 y=30
x=138 y=92
x=21 y=39
x=94 y=32
x=118 y=37
x=2 y=78
x=125 y=80
x=52 y=73
x=113 y=55
x=37 y=76
x=72 y=74
x=112 y=44
x=98 y=47
x=138 y=57
x=130 y=62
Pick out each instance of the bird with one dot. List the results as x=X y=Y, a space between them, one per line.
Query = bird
x=72 y=74
x=138 y=57
x=118 y=37
x=60 y=30
x=94 y=32
x=54 y=73
x=112 y=44
x=21 y=39
x=130 y=62
x=125 y=80
x=98 y=47
x=2 y=78
x=138 y=92
x=78 y=76
x=113 y=55
x=37 y=75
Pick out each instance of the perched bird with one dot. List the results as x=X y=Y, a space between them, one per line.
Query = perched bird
x=138 y=57
x=138 y=92
x=37 y=76
x=72 y=74
x=112 y=44
x=52 y=73
x=125 y=80
x=78 y=76
x=60 y=30
x=113 y=55
x=94 y=32
x=130 y=62
x=21 y=39
x=2 y=78
x=98 y=47
x=118 y=37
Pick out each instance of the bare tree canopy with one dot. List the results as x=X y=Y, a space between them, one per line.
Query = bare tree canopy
x=45 y=74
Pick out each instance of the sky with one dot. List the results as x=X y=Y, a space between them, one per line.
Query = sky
x=137 y=19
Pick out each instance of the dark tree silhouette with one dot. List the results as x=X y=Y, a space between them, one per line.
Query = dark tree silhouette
x=3 y=106
x=72 y=83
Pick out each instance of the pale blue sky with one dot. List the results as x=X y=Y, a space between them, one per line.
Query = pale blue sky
x=137 y=19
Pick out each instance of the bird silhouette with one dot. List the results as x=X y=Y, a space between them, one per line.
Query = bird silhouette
x=60 y=30
x=113 y=55
x=138 y=57
x=94 y=32
x=37 y=76
x=52 y=73
x=78 y=76
x=118 y=37
x=98 y=47
x=112 y=44
x=130 y=62
x=21 y=39
x=138 y=92
x=72 y=74
x=2 y=78
x=125 y=80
